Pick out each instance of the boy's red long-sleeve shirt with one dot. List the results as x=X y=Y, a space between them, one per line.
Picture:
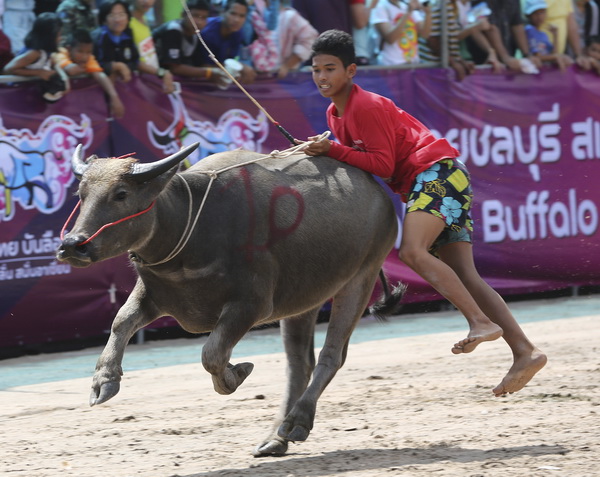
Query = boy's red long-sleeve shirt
x=378 y=137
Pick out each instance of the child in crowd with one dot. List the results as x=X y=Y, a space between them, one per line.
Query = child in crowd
x=179 y=49
x=36 y=60
x=430 y=47
x=400 y=25
x=142 y=37
x=539 y=44
x=377 y=136
x=77 y=59
x=593 y=51
x=295 y=36
x=223 y=36
x=115 y=49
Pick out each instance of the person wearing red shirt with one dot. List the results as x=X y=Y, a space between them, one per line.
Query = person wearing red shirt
x=378 y=137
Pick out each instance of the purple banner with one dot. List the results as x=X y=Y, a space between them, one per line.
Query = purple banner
x=532 y=145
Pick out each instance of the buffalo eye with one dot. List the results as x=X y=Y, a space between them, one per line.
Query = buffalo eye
x=120 y=196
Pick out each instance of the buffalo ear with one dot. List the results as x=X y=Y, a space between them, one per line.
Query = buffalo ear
x=78 y=164
x=143 y=172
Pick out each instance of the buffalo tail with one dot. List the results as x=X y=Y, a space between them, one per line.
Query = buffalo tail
x=390 y=303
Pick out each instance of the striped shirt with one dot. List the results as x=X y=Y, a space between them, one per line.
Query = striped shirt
x=425 y=51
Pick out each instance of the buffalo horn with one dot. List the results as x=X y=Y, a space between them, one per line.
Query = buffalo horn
x=144 y=172
x=77 y=163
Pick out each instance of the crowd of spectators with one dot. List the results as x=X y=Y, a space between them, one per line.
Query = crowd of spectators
x=113 y=39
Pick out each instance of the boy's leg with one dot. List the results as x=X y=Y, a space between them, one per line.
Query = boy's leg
x=419 y=231
x=528 y=359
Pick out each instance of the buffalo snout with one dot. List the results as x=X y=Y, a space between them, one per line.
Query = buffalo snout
x=74 y=251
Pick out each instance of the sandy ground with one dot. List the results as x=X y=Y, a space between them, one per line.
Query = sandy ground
x=402 y=406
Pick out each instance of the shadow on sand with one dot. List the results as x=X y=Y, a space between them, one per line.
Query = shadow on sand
x=387 y=460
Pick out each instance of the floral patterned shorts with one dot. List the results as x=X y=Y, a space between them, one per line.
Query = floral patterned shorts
x=444 y=190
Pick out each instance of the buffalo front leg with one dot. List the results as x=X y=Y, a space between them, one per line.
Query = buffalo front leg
x=348 y=306
x=235 y=321
x=298 y=339
x=130 y=318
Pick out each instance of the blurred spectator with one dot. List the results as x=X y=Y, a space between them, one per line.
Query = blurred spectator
x=593 y=51
x=540 y=44
x=431 y=47
x=77 y=14
x=507 y=36
x=259 y=48
x=36 y=60
x=366 y=39
x=142 y=37
x=400 y=25
x=223 y=36
x=114 y=47
x=295 y=36
x=77 y=58
x=179 y=49
x=331 y=14
x=474 y=24
x=5 y=50
x=559 y=13
x=18 y=21
x=587 y=18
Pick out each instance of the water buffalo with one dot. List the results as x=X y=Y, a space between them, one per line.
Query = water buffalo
x=228 y=245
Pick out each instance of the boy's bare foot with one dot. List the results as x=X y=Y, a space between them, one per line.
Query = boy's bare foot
x=477 y=336
x=521 y=372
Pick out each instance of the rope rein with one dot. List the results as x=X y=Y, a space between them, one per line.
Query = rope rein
x=189 y=227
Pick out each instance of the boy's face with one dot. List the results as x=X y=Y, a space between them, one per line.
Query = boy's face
x=235 y=17
x=330 y=76
x=200 y=18
x=538 y=17
x=80 y=53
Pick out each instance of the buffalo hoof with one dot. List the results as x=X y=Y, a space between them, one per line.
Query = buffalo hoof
x=294 y=434
x=231 y=379
x=272 y=448
x=106 y=391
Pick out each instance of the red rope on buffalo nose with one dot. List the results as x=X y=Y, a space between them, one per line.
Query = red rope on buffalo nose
x=101 y=229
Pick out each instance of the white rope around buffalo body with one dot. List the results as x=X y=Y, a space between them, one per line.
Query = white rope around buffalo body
x=189 y=227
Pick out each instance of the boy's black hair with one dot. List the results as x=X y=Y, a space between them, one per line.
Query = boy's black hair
x=592 y=39
x=79 y=36
x=230 y=3
x=42 y=35
x=198 y=5
x=106 y=7
x=335 y=43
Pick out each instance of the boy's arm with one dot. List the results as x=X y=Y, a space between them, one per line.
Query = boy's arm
x=378 y=154
x=116 y=106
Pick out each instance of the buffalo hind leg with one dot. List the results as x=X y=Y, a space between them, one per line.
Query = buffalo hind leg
x=298 y=340
x=348 y=306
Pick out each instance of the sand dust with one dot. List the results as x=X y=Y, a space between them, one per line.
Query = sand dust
x=403 y=406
